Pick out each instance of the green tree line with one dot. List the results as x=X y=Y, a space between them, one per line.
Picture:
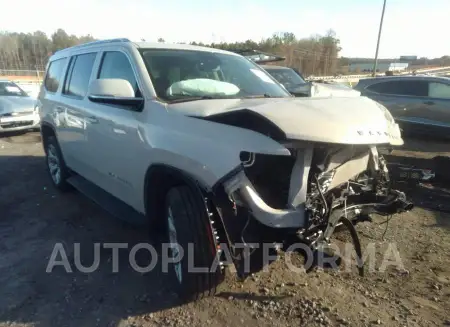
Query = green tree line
x=30 y=51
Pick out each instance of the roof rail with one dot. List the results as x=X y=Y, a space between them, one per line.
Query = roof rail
x=257 y=56
x=99 y=42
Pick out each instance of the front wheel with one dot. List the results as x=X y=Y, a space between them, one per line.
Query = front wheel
x=192 y=245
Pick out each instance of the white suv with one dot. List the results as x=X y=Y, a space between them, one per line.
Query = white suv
x=206 y=146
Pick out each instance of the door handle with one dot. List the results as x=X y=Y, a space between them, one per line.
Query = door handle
x=92 y=119
x=59 y=109
x=430 y=103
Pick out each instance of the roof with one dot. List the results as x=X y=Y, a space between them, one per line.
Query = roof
x=178 y=46
x=142 y=45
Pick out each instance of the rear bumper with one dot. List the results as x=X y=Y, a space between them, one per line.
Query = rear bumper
x=19 y=123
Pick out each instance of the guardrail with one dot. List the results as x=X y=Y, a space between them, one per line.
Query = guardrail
x=344 y=77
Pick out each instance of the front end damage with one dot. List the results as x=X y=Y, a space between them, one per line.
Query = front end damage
x=303 y=197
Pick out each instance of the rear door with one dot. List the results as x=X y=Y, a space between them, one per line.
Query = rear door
x=74 y=115
x=50 y=103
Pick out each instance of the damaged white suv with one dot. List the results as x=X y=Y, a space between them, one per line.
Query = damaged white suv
x=206 y=146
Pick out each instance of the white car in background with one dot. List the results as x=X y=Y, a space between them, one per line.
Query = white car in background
x=17 y=109
x=294 y=82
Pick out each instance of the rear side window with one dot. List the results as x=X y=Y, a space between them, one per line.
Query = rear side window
x=115 y=64
x=404 y=87
x=54 y=74
x=79 y=73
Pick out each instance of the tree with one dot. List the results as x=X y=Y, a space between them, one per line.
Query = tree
x=316 y=55
x=30 y=51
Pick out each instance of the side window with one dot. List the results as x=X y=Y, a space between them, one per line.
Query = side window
x=115 y=64
x=54 y=73
x=439 y=90
x=79 y=73
x=401 y=87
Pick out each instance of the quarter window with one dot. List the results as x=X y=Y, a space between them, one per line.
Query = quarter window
x=54 y=73
x=79 y=74
x=439 y=90
x=402 y=87
x=115 y=64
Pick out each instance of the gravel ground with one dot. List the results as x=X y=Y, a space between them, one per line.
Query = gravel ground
x=34 y=217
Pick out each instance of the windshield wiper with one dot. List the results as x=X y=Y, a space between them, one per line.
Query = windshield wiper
x=257 y=96
x=186 y=98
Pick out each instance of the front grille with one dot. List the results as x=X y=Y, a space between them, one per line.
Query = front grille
x=17 y=124
x=17 y=114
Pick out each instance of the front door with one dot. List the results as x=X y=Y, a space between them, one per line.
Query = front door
x=437 y=106
x=405 y=99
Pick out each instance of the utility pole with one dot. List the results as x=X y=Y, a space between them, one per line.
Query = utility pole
x=374 y=70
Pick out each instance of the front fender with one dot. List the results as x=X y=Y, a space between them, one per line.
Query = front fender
x=204 y=149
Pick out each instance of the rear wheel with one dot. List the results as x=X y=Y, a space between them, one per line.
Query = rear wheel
x=190 y=234
x=56 y=166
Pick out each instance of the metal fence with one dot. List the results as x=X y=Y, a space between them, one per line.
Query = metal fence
x=21 y=74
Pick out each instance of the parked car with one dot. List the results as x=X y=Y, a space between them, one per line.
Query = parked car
x=17 y=108
x=205 y=146
x=296 y=84
x=420 y=104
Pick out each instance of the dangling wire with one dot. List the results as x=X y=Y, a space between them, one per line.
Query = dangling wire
x=345 y=200
x=388 y=218
x=321 y=194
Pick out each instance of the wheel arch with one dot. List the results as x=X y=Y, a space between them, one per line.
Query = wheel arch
x=159 y=178
x=47 y=130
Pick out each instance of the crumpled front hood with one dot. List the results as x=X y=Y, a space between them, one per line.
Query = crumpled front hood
x=10 y=104
x=344 y=120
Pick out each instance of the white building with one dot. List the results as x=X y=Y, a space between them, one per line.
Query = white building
x=381 y=67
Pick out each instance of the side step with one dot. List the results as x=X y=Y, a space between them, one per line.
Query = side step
x=108 y=202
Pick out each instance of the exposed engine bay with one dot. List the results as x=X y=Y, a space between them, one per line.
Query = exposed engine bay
x=304 y=197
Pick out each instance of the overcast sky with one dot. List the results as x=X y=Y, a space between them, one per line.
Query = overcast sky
x=411 y=27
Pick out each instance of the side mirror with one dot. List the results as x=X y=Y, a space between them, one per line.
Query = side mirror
x=114 y=91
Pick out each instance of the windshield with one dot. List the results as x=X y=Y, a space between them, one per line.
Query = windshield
x=11 y=89
x=188 y=74
x=286 y=76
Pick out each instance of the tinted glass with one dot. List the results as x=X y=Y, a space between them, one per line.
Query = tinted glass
x=179 y=74
x=54 y=73
x=287 y=77
x=411 y=88
x=78 y=79
x=439 y=90
x=116 y=65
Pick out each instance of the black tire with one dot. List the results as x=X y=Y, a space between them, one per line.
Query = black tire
x=192 y=225
x=54 y=157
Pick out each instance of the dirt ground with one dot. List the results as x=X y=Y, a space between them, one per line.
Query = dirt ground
x=34 y=217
